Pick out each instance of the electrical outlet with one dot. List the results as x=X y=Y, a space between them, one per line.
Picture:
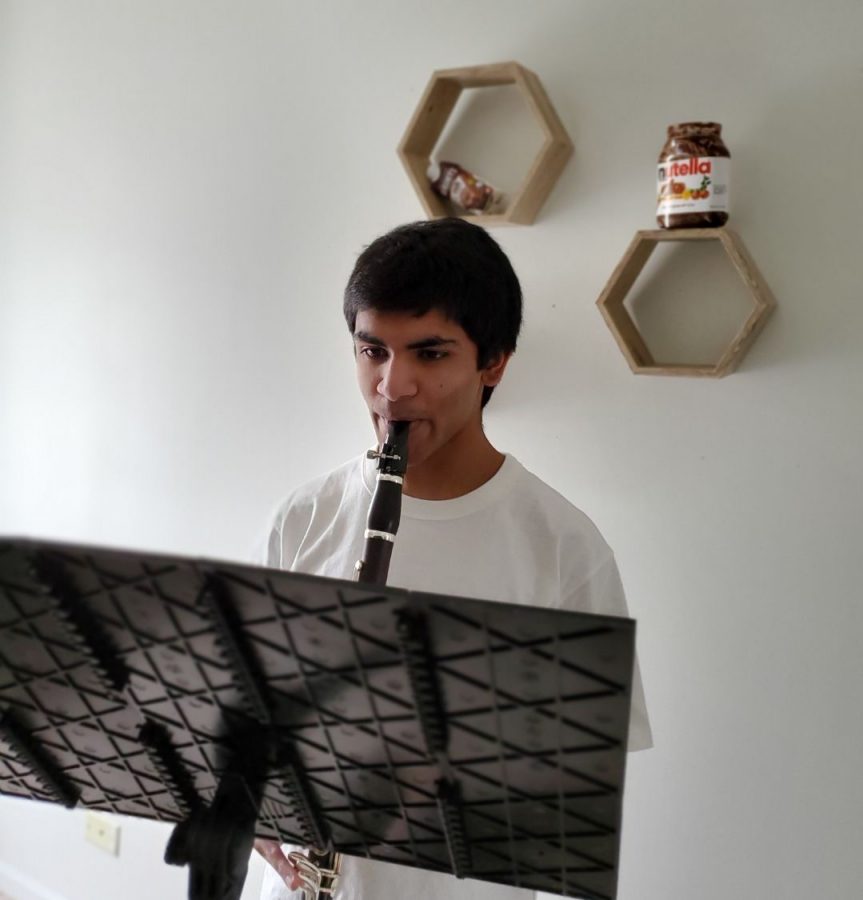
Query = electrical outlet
x=103 y=832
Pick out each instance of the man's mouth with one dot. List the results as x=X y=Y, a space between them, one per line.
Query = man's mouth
x=386 y=419
x=384 y=423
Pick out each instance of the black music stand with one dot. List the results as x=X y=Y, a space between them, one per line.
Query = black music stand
x=485 y=740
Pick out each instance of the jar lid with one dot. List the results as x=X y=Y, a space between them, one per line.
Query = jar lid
x=690 y=127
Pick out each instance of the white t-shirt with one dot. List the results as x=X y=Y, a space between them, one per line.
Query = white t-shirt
x=513 y=539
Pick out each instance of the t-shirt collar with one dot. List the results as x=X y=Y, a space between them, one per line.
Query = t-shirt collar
x=475 y=500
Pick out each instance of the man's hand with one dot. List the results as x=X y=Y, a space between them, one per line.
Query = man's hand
x=272 y=853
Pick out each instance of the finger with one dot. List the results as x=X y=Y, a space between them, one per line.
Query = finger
x=272 y=853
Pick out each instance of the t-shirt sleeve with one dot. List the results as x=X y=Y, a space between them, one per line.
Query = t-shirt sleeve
x=273 y=550
x=267 y=550
x=282 y=540
x=602 y=593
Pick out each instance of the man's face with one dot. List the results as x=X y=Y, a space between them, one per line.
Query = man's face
x=424 y=369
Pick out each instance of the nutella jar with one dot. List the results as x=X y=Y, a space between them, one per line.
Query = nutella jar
x=693 y=177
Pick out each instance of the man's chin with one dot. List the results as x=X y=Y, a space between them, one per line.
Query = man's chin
x=421 y=450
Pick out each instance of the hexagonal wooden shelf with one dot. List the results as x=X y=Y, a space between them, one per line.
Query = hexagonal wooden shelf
x=625 y=330
x=430 y=119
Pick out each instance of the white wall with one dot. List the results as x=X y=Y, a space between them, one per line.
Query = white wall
x=183 y=189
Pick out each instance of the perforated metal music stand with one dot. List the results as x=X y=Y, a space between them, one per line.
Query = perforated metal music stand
x=479 y=739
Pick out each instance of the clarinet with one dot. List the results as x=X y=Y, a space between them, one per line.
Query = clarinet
x=319 y=871
x=386 y=507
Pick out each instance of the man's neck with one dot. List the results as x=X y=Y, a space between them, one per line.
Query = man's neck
x=455 y=470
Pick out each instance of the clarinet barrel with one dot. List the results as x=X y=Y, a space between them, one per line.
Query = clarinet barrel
x=385 y=510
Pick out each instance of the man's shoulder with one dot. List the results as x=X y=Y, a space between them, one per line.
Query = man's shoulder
x=312 y=510
x=322 y=491
x=537 y=498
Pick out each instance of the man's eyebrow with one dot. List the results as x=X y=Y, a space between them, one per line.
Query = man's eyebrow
x=367 y=338
x=433 y=341
x=423 y=344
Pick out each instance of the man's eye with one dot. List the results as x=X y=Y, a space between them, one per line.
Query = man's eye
x=432 y=355
x=376 y=353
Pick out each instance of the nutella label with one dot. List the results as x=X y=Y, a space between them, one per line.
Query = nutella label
x=696 y=184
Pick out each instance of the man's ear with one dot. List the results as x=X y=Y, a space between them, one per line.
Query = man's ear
x=492 y=373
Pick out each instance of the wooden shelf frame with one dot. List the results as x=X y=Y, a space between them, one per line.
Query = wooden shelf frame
x=433 y=113
x=625 y=331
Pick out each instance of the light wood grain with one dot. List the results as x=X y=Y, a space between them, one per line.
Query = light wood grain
x=625 y=331
x=431 y=116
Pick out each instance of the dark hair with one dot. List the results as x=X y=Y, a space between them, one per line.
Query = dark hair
x=447 y=265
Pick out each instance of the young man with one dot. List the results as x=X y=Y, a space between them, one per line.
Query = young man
x=434 y=310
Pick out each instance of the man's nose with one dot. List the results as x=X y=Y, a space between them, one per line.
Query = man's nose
x=398 y=380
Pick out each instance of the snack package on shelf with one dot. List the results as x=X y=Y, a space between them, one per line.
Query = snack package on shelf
x=463 y=189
